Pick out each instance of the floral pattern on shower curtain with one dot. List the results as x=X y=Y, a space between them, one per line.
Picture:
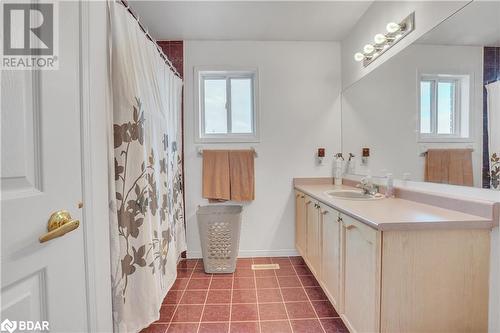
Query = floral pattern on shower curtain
x=147 y=223
x=493 y=105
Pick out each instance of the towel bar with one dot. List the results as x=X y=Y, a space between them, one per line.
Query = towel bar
x=424 y=149
x=200 y=151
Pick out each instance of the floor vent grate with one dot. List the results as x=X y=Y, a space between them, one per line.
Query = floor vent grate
x=261 y=267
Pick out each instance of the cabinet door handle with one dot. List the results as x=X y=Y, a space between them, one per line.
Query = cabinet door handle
x=308 y=202
x=302 y=196
x=324 y=212
x=339 y=219
x=351 y=226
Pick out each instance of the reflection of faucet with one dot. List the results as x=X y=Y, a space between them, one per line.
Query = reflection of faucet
x=367 y=186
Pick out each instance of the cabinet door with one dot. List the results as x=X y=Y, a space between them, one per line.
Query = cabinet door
x=308 y=207
x=300 y=222
x=313 y=232
x=330 y=253
x=361 y=276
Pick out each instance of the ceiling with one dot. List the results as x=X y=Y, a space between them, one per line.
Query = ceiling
x=478 y=24
x=249 y=20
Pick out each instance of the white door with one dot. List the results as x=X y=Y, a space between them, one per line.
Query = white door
x=41 y=174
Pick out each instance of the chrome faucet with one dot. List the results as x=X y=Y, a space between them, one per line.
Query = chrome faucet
x=367 y=186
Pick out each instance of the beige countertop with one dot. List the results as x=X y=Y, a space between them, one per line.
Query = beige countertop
x=395 y=213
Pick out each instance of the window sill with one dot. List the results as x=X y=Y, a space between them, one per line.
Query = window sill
x=227 y=139
x=445 y=140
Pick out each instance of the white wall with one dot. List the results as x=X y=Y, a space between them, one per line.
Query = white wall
x=299 y=111
x=96 y=124
x=381 y=111
x=428 y=14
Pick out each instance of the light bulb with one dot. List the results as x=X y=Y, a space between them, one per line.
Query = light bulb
x=369 y=48
x=392 y=27
x=379 y=39
x=359 y=56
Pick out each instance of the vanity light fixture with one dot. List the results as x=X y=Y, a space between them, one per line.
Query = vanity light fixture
x=393 y=27
x=359 y=56
x=384 y=41
x=380 y=39
x=368 y=49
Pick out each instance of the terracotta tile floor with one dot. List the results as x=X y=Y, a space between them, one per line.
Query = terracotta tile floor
x=274 y=301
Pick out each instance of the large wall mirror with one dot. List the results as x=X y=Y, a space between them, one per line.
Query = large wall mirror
x=432 y=112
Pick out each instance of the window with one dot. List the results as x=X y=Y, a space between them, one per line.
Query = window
x=227 y=106
x=444 y=107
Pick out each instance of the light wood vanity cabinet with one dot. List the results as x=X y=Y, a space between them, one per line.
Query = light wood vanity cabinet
x=360 y=275
x=313 y=249
x=300 y=225
x=435 y=280
x=414 y=281
x=330 y=253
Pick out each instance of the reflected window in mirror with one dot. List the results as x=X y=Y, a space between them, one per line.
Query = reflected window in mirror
x=444 y=107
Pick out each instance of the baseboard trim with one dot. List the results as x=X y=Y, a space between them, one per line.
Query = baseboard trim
x=252 y=253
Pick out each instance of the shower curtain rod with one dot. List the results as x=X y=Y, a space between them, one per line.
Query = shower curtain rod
x=491 y=81
x=162 y=54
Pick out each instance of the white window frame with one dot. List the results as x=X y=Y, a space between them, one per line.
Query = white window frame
x=462 y=121
x=227 y=74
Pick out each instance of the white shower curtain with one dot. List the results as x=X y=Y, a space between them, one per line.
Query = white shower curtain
x=493 y=91
x=147 y=222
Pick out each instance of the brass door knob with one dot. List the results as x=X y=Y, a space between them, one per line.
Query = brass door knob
x=60 y=223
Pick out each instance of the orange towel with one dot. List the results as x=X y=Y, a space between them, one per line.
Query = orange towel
x=449 y=166
x=241 y=168
x=228 y=175
x=216 y=185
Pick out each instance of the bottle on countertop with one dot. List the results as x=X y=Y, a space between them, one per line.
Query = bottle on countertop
x=339 y=169
x=389 y=186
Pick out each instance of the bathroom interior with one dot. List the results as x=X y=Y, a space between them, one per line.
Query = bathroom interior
x=255 y=166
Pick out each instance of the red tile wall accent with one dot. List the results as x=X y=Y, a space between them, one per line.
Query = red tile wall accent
x=491 y=72
x=174 y=50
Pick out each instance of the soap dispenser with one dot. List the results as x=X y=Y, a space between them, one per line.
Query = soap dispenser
x=389 y=186
x=339 y=169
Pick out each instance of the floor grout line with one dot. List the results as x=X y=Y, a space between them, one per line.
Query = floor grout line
x=204 y=304
x=237 y=303
x=256 y=297
x=231 y=298
x=243 y=321
x=246 y=321
x=310 y=302
x=182 y=295
x=283 y=299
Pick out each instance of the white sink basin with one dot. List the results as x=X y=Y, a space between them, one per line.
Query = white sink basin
x=353 y=195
